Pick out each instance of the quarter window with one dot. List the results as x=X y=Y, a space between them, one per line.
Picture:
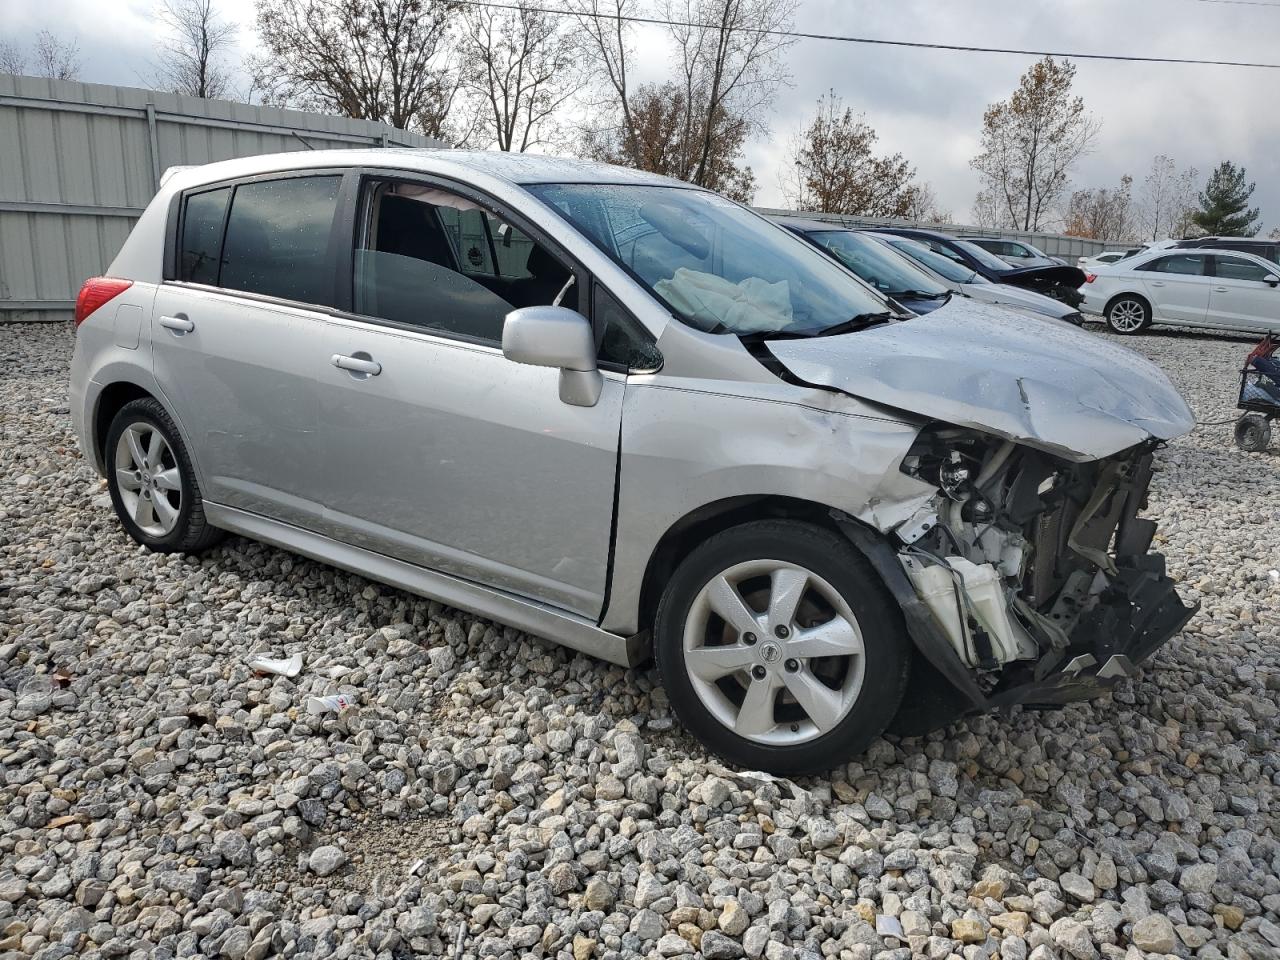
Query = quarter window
x=432 y=258
x=278 y=239
x=1188 y=264
x=202 y=221
x=1238 y=268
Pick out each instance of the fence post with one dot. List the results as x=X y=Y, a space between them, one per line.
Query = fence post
x=153 y=142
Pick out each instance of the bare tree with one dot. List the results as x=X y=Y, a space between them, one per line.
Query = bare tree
x=1031 y=141
x=835 y=169
x=50 y=57
x=922 y=205
x=728 y=67
x=191 y=58
x=12 y=59
x=987 y=213
x=521 y=66
x=1103 y=214
x=1168 y=199
x=383 y=60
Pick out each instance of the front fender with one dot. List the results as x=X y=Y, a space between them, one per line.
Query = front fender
x=686 y=445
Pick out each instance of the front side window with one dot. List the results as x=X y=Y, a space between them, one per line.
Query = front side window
x=715 y=265
x=1186 y=264
x=277 y=239
x=943 y=266
x=433 y=258
x=1238 y=268
x=988 y=260
x=889 y=273
x=200 y=250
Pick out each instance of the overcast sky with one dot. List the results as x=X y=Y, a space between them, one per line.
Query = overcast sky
x=926 y=104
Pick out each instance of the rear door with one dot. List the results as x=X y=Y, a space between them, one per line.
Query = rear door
x=1241 y=297
x=1178 y=287
x=232 y=329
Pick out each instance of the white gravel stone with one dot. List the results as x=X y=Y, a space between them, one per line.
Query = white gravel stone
x=167 y=801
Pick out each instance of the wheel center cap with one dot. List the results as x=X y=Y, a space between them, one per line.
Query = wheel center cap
x=771 y=653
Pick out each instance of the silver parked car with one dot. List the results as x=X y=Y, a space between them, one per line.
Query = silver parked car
x=629 y=415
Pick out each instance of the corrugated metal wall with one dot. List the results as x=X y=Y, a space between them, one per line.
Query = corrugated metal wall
x=1054 y=244
x=80 y=161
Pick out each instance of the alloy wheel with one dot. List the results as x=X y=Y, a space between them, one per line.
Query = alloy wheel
x=774 y=652
x=1128 y=316
x=148 y=479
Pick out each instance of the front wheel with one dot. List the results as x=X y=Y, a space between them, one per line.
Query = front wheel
x=1128 y=314
x=779 y=647
x=152 y=484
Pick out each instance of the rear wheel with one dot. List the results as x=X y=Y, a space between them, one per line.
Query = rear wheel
x=780 y=648
x=1128 y=314
x=1253 y=433
x=152 y=484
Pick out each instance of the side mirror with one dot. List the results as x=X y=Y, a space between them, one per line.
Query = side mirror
x=1271 y=279
x=556 y=337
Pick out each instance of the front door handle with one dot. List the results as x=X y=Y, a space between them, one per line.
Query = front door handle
x=1157 y=283
x=370 y=368
x=1220 y=290
x=179 y=325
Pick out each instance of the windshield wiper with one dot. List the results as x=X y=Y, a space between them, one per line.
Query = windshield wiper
x=919 y=294
x=860 y=322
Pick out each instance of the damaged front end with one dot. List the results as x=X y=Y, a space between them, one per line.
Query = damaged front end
x=1027 y=579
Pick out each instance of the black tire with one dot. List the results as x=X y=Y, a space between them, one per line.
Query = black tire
x=1121 y=311
x=191 y=533
x=834 y=560
x=1253 y=433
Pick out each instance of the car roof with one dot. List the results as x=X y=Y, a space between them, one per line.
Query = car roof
x=912 y=232
x=805 y=225
x=1146 y=256
x=1207 y=241
x=516 y=168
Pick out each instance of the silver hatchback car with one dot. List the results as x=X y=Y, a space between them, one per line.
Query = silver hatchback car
x=631 y=416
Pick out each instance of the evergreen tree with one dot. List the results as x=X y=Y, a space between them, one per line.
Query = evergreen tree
x=1224 y=204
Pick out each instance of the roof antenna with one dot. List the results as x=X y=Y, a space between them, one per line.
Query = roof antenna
x=300 y=137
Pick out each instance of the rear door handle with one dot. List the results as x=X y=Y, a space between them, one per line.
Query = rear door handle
x=370 y=368
x=1157 y=283
x=1221 y=290
x=178 y=325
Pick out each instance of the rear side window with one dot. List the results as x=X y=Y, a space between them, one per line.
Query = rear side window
x=202 y=220
x=277 y=239
x=1188 y=264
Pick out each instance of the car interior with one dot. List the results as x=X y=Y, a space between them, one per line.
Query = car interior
x=417 y=239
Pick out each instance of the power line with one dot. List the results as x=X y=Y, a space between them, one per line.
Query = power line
x=915 y=44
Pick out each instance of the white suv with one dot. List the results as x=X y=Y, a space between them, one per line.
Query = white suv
x=1221 y=289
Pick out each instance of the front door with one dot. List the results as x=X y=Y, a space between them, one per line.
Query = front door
x=437 y=449
x=1241 y=298
x=233 y=334
x=1178 y=287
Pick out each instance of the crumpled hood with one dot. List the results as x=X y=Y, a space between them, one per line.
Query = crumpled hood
x=1029 y=379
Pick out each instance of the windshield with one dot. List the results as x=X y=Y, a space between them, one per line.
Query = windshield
x=715 y=265
x=944 y=266
x=891 y=274
x=984 y=257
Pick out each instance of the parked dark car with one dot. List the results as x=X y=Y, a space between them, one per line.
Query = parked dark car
x=1267 y=249
x=1061 y=283
x=885 y=270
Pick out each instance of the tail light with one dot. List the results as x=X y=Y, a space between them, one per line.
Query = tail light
x=95 y=292
x=1090 y=277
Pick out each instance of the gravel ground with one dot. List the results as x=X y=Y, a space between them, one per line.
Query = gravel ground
x=492 y=791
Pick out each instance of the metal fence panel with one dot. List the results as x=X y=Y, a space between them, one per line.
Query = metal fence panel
x=80 y=161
